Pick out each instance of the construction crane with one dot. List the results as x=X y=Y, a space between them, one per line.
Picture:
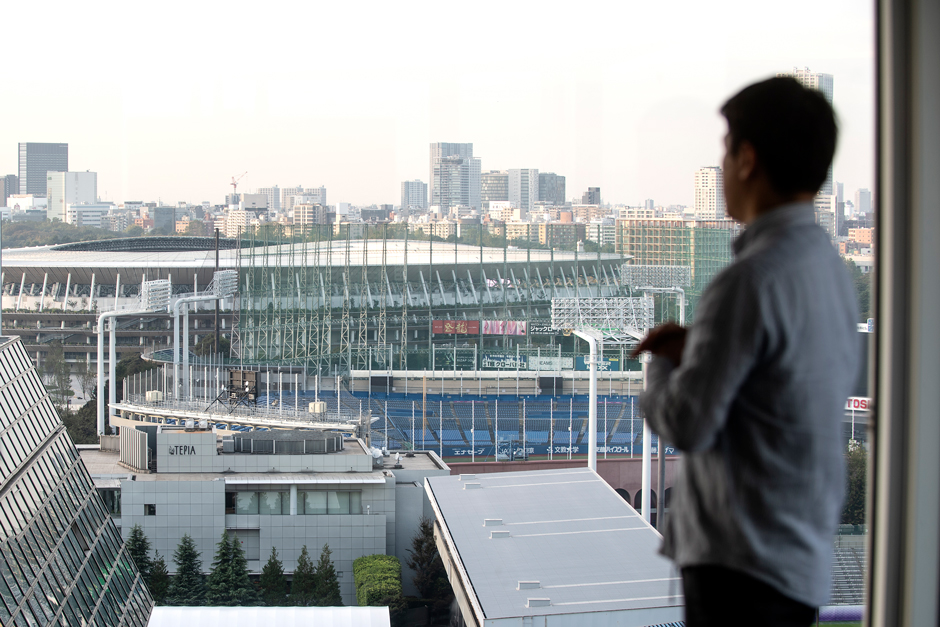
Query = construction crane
x=234 y=183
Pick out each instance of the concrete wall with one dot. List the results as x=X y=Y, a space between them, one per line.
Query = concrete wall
x=198 y=508
x=179 y=451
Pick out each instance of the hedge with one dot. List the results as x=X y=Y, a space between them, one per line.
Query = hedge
x=377 y=579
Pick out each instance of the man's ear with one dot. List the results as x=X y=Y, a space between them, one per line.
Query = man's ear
x=746 y=158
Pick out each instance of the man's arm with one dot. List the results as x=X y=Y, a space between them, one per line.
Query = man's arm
x=688 y=403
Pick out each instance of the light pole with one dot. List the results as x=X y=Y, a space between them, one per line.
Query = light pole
x=154 y=298
x=224 y=285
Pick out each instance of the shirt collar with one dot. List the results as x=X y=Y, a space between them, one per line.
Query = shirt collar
x=793 y=214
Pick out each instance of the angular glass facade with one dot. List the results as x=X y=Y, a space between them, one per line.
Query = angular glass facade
x=62 y=560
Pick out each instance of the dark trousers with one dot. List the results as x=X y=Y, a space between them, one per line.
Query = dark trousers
x=721 y=597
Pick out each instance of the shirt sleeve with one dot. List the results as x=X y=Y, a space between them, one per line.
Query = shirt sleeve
x=688 y=405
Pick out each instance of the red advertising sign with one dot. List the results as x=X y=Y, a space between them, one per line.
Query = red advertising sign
x=455 y=326
x=858 y=403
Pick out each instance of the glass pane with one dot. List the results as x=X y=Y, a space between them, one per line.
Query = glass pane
x=314 y=502
x=285 y=503
x=270 y=503
x=246 y=503
x=338 y=502
x=355 y=502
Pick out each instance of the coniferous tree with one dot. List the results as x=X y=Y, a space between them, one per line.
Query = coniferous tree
x=138 y=546
x=430 y=577
x=301 y=589
x=159 y=580
x=326 y=585
x=228 y=583
x=273 y=583
x=188 y=586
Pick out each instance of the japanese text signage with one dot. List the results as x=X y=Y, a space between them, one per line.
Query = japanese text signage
x=455 y=326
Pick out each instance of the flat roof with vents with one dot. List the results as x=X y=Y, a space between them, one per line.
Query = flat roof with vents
x=522 y=546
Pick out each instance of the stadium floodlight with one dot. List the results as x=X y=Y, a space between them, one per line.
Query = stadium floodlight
x=224 y=283
x=597 y=320
x=656 y=276
x=155 y=295
x=623 y=320
x=154 y=298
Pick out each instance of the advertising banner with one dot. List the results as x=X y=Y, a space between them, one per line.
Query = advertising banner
x=605 y=365
x=503 y=327
x=503 y=362
x=550 y=363
x=444 y=358
x=542 y=327
x=858 y=403
x=451 y=327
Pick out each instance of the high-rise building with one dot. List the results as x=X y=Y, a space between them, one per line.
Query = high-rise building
x=709 y=194
x=414 y=196
x=822 y=83
x=274 y=197
x=551 y=189
x=62 y=557
x=69 y=188
x=592 y=196
x=524 y=188
x=314 y=195
x=494 y=186
x=455 y=176
x=11 y=185
x=35 y=160
x=863 y=201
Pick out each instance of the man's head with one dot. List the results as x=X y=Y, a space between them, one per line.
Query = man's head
x=780 y=143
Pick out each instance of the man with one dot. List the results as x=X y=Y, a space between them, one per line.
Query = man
x=753 y=393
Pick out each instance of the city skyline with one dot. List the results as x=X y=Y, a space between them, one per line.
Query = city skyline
x=624 y=109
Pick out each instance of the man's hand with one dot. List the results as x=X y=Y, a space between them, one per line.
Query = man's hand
x=667 y=340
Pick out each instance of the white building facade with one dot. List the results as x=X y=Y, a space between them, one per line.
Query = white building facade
x=710 y=194
x=524 y=188
x=69 y=188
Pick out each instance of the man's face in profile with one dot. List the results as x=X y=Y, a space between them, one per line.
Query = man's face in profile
x=731 y=172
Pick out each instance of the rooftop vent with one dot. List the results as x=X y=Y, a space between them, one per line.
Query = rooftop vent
x=304 y=442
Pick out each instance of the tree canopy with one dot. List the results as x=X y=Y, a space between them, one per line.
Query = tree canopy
x=139 y=548
x=273 y=583
x=22 y=234
x=302 y=587
x=228 y=583
x=326 y=585
x=188 y=586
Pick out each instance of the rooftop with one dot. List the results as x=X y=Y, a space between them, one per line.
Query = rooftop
x=563 y=536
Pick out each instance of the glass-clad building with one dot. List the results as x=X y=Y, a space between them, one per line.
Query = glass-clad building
x=62 y=560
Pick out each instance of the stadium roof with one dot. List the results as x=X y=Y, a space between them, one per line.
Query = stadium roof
x=135 y=263
x=556 y=543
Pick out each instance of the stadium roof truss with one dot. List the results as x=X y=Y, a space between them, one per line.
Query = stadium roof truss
x=646 y=277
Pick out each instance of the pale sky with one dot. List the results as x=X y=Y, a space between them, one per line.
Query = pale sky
x=170 y=100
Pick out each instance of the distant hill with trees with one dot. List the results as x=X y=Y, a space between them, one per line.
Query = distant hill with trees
x=22 y=234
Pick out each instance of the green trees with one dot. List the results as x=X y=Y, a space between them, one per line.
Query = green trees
x=228 y=583
x=378 y=580
x=856 y=476
x=301 y=589
x=430 y=577
x=326 y=585
x=273 y=583
x=188 y=587
x=138 y=546
x=56 y=374
x=159 y=580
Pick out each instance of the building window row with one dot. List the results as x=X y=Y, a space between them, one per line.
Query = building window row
x=310 y=502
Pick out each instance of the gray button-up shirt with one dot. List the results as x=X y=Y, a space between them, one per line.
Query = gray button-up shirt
x=756 y=407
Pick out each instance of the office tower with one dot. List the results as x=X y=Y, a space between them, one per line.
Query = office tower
x=524 y=188
x=414 y=196
x=592 y=196
x=274 y=197
x=709 y=194
x=69 y=188
x=649 y=205
x=63 y=559
x=822 y=83
x=11 y=186
x=862 y=201
x=312 y=195
x=551 y=189
x=455 y=176
x=253 y=201
x=828 y=214
x=35 y=160
x=494 y=186
x=164 y=219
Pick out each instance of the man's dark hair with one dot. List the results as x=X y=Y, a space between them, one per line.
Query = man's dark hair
x=792 y=129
